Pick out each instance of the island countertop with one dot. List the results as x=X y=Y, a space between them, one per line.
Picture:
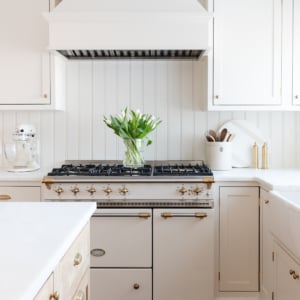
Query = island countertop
x=34 y=237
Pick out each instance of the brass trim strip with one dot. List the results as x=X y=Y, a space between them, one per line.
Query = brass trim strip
x=5 y=197
x=48 y=182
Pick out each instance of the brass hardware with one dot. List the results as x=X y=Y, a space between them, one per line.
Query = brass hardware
x=136 y=286
x=75 y=190
x=219 y=276
x=267 y=201
x=182 y=190
x=273 y=296
x=45 y=96
x=48 y=182
x=77 y=259
x=167 y=215
x=54 y=296
x=292 y=272
x=273 y=256
x=144 y=215
x=296 y=276
x=5 y=197
x=124 y=190
x=197 y=190
x=59 y=190
x=91 y=190
x=200 y=215
x=108 y=190
x=208 y=180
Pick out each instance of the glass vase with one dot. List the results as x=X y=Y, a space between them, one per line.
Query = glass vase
x=134 y=153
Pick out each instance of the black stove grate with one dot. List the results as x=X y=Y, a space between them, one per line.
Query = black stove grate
x=182 y=170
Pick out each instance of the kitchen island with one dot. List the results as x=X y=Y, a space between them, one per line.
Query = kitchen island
x=34 y=239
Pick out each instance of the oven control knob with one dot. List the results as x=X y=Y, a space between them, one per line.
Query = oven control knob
x=197 y=190
x=182 y=190
x=59 y=190
x=91 y=190
x=124 y=190
x=107 y=190
x=75 y=190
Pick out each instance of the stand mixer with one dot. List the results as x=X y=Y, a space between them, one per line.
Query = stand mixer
x=22 y=152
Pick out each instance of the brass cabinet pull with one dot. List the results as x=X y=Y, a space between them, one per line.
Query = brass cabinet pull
x=54 y=296
x=5 y=197
x=77 y=259
x=296 y=276
x=195 y=215
x=144 y=215
x=267 y=201
x=292 y=272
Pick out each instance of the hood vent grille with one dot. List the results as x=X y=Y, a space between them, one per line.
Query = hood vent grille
x=131 y=54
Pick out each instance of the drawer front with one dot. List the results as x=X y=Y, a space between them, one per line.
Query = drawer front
x=19 y=193
x=73 y=265
x=121 y=238
x=116 y=284
x=82 y=292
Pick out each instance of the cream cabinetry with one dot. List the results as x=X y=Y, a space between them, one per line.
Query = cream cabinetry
x=20 y=193
x=70 y=279
x=239 y=239
x=30 y=77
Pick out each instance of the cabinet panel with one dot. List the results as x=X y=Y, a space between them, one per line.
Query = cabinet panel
x=183 y=255
x=247 y=53
x=46 y=290
x=239 y=238
x=296 y=51
x=25 y=64
x=18 y=193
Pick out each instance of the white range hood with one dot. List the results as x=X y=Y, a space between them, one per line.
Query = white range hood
x=129 y=29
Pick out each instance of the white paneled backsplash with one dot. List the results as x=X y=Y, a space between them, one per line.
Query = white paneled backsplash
x=170 y=90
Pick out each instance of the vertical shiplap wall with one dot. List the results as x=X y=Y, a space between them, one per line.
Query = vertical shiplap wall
x=170 y=90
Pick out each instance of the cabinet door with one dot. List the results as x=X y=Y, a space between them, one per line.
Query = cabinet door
x=296 y=51
x=266 y=244
x=239 y=238
x=20 y=193
x=247 y=53
x=24 y=61
x=287 y=284
x=183 y=254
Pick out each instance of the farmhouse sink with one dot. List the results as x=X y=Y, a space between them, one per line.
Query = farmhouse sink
x=285 y=220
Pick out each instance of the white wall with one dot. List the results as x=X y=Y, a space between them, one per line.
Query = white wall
x=170 y=90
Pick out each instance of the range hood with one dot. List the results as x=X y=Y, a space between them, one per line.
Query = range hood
x=129 y=29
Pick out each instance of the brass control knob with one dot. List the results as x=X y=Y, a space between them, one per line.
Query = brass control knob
x=75 y=190
x=91 y=190
x=124 y=190
x=59 y=190
x=197 y=190
x=107 y=190
x=182 y=190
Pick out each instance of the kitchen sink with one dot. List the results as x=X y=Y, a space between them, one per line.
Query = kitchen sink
x=291 y=196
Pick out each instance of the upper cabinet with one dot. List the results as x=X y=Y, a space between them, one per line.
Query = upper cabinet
x=28 y=72
x=254 y=64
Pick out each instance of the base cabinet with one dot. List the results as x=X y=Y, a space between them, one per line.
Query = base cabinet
x=239 y=239
x=20 y=193
x=287 y=275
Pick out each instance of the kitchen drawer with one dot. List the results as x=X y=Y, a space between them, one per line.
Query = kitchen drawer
x=73 y=265
x=82 y=292
x=116 y=284
x=20 y=193
x=121 y=238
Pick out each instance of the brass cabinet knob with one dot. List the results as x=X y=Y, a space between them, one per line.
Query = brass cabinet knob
x=54 y=296
x=59 y=190
x=267 y=201
x=136 y=286
x=75 y=190
x=296 y=276
x=107 y=190
x=292 y=272
x=182 y=190
x=197 y=190
x=77 y=259
x=124 y=190
x=5 y=197
x=91 y=190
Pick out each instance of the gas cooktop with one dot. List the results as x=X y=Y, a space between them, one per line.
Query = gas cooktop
x=115 y=168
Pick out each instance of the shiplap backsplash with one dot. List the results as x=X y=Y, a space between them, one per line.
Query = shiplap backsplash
x=170 y=90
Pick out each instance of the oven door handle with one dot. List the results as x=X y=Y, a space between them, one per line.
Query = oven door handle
x=143 y=215
x=199 y=215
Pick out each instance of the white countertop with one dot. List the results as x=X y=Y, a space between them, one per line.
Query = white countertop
x=34 y=237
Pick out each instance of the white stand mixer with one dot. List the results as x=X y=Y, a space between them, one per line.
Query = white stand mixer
x=22 y=153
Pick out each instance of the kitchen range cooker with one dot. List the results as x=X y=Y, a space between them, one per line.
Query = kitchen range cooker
x=153 y=227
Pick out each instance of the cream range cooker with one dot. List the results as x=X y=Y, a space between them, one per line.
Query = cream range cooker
x=152 y=235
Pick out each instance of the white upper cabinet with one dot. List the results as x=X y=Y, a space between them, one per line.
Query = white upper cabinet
x=246 y=54
x=26 y=79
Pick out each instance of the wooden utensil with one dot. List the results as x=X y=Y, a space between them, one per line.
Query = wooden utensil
x=213 y=134
x=223 y=135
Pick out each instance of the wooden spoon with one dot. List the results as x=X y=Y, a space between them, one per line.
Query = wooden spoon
x=223 y=135
x=213 y=134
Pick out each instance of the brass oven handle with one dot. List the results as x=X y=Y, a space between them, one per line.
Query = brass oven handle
x=5 y=197
x=199 y=215
x=143 y=215
x=77 y=259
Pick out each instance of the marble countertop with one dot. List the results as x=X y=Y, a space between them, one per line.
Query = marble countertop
x=34 y=238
